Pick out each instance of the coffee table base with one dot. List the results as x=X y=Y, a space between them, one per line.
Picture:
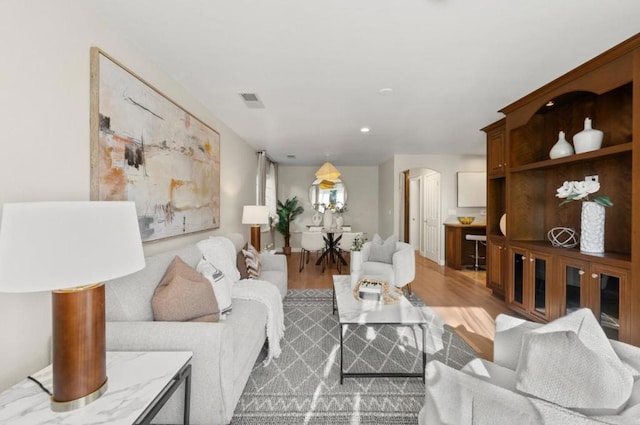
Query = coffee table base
x=344 y=374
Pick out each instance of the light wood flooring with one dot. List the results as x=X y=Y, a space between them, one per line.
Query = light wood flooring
x=460 y=298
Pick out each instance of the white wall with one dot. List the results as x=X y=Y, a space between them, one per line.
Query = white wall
x=362 y=197
x=388 y=206
x=44 y=117
x=447 y=166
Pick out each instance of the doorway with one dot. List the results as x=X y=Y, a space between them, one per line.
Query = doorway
x=422 y=204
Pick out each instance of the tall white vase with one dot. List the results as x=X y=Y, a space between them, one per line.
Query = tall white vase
x=339 y=221
x=328 y=219
x=356 y=261
x=592 y=228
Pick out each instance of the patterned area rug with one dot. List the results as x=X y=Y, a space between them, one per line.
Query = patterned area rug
x=303 y=386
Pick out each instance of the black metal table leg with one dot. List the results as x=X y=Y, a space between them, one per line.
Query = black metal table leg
x=341 y=345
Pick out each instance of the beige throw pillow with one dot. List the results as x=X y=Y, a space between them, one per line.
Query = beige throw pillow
x=184 y=295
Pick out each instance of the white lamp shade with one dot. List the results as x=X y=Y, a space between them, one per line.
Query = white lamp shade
x=57 y=245
x=255 y=214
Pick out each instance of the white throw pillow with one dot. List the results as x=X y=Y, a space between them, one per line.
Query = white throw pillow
x=382 y=251
x=570 y=362
x=221 y=253
x=220 y=283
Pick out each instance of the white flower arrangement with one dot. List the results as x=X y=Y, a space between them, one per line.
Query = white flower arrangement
x=580 y=191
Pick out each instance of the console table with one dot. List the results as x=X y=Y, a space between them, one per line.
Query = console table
x=139 y=384
x=459 y=251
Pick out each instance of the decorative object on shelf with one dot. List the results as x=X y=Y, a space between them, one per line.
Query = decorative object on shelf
x=563 y=237
x=287 y=211
x=466 y=220
x=327 y=221
x=503 y=224
x=588 y=139
x=592 y=218
x=85 y=243
x=316 y=219
x=372 y=290
x=562 y=148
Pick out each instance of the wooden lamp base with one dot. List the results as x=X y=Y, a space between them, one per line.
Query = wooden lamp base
x=79 y=362
x=255 y=236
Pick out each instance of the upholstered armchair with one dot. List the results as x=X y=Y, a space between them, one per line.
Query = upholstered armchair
x=397 y=265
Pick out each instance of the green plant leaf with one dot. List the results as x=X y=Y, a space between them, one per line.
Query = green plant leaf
x=605 y=201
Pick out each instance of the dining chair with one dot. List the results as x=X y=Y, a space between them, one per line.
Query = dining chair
x=311 y=242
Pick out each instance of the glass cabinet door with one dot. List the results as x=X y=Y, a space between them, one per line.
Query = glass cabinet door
x=518 y=262
x=540 y=277
x=608 y=284
x=573 y=274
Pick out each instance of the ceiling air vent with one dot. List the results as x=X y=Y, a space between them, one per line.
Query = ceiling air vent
x=252 y=101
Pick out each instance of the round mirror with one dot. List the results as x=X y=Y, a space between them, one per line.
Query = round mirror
x=323 y=193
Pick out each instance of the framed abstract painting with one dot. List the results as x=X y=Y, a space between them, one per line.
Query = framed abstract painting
x=147 y=149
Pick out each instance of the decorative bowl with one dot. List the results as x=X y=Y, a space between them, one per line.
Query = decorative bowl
x=466 y=220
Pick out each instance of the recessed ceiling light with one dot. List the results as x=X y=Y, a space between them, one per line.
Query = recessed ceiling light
x=365 y=130
x=385 y=92
x=550 y=103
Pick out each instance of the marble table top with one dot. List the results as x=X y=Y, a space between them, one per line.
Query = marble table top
x=134 y=380
x=354 y=311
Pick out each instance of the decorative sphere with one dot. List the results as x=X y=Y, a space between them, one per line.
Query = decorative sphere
x=563 y=237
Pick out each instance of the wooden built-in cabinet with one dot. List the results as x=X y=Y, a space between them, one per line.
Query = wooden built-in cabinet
x=496 y=267
x=543 y=282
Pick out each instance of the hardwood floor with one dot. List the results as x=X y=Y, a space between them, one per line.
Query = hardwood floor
x=459 y=298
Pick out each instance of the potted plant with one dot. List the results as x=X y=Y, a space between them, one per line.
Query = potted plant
x=356 y=255
x=287 y=211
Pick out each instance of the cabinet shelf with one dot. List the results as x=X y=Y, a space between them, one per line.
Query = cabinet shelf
x=576 y=158
x=609 y=258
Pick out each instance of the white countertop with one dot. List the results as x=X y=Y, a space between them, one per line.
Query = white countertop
x=134 y=380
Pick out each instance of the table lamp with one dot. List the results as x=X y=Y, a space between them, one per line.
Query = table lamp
x=255 y=215
x=70 y=248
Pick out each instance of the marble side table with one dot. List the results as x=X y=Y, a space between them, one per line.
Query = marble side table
x=139 y=384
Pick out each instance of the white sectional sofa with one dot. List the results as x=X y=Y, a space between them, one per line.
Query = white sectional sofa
x=486 y=392
x=223 y=352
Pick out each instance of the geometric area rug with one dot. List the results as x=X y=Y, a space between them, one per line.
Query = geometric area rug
x=302 y=386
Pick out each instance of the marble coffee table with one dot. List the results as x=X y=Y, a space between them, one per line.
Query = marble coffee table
x=354 y=312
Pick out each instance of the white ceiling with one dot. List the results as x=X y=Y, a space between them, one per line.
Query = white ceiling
x=318 y=65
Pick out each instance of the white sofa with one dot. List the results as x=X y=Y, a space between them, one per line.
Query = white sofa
x=486 y=392
x=400 y=272
x=223 y=352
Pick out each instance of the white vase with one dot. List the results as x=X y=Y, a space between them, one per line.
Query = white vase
x=562 y=148
x=588 y=139
x=339 y=221
x=327 y=219
x=592 y=228
x=316 y=219
x=356 y=262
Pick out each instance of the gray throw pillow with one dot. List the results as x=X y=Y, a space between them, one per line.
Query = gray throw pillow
x=382 y=251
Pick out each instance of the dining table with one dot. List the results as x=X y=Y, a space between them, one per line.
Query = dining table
x=332 y=238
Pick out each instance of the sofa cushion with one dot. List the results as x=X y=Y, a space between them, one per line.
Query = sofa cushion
x=252 y=259
x=219 y=282
x=241 y=264
x=508 y=339
x=183 y=295
x=382 y=251
x=560 y=367
x=491 y=372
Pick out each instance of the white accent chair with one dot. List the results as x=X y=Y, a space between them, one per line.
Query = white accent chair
x=311 y=242
x=400 y=272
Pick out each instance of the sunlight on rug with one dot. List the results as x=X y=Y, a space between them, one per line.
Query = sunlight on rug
x=303 y=386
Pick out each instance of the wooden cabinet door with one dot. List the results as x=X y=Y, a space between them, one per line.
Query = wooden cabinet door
x=496 y=264
x=539 y=284
x=496 y=152
x=516 y=293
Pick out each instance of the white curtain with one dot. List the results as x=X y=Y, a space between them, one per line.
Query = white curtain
x=267 y=184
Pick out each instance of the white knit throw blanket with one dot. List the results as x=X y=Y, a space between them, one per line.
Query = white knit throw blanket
x=266 y=293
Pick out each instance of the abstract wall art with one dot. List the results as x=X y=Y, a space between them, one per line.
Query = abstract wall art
x=147 y=149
